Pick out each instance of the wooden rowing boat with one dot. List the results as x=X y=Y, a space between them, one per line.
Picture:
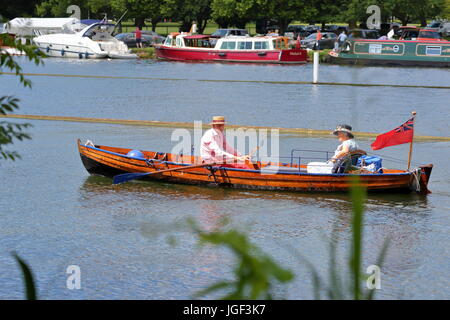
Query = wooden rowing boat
x=111 y=161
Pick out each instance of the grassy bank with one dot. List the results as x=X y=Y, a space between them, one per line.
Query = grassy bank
x=324 y=56
x=145 y=53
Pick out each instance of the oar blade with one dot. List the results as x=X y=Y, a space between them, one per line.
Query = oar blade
x=125 y=177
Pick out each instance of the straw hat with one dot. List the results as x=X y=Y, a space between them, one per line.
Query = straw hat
x=218 y=120
x=343 y=128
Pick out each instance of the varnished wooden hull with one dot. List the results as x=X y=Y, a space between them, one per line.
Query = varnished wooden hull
x=110 y=161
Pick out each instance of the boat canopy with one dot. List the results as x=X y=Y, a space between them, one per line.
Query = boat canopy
x=197 y=36
x=30 y=26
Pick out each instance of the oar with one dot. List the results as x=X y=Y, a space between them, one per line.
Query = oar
x=125 y=177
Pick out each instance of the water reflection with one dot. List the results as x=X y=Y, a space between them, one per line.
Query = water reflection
x=96 y=187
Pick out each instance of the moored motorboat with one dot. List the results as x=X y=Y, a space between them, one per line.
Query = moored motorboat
x=290 y=176
x=93 y=42
x=268 y=49
x=414 y=48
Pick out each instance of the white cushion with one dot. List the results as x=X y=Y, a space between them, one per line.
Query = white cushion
x=320 y=167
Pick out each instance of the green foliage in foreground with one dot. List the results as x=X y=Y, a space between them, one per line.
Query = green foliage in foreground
x=10 y=132
x=254 y=272
x=346 y=284
x=28 y=278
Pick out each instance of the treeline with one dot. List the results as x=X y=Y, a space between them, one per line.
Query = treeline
x=236 y=13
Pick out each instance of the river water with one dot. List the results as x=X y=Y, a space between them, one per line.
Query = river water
x=55 y=215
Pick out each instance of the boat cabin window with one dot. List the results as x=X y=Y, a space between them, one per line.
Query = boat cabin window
x=261 y=45
x=228 y=45
x=433 y=50
x=168 y=41
x=410 y=35
x=179 y=42
x=280 y=43
x=198 y=43
x=244 y=45
x=99 y=32
x=429 y=35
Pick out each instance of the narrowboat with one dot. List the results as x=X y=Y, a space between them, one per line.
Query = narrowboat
x=415 y=47
x=267 y=49
x=291 y=175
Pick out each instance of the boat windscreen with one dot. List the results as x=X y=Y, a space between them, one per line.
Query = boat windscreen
x=98 y=29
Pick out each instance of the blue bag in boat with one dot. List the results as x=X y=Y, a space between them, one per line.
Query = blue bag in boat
x=370 y=163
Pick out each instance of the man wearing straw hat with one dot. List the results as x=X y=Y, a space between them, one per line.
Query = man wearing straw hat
x=215 y=149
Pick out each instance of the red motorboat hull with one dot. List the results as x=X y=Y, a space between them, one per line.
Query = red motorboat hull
x=263 y=56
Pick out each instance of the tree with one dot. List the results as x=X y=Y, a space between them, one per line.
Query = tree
x=323 y=12
x=187 y=12
x=11 y=131
x=427 y=9
x=446 y=11
x=285 y=11
x=238 y=13
x=17 y=8
x=140 y=10
x=58 y=8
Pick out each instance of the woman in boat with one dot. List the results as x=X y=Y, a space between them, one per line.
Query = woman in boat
x=348 y=143
x=215 y=149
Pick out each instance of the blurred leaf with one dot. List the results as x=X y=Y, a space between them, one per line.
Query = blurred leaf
x=27 y=278
x=254 y=272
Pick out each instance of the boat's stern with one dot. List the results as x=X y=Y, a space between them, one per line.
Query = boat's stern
x=293 y=56
x=420 y=178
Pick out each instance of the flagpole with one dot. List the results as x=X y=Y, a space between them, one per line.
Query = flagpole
x=411 y=143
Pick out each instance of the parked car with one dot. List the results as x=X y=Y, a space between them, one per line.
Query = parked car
x=220 y=33
x=444 y=29
x=297 y=30
x=335 y=29
x=149 y=38
x=312 y=29
x=435 y=25
x=327 y=41
x=364 y=34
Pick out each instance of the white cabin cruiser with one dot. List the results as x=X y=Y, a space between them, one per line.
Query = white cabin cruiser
x=93 y=42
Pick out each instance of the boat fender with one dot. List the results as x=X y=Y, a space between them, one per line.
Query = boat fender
x=80 y=55
x=415 y=180
x=62 y=52
x=47 y=49
x=135 y=154
x=89 y=143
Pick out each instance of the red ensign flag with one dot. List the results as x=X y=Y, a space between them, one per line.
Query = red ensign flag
x=400 y=135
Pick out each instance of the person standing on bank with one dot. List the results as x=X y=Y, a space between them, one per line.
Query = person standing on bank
x=138 y=35
x=341 y=39
x=215 y=149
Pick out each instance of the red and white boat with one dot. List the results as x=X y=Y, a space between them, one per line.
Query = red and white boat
x=267 y=49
